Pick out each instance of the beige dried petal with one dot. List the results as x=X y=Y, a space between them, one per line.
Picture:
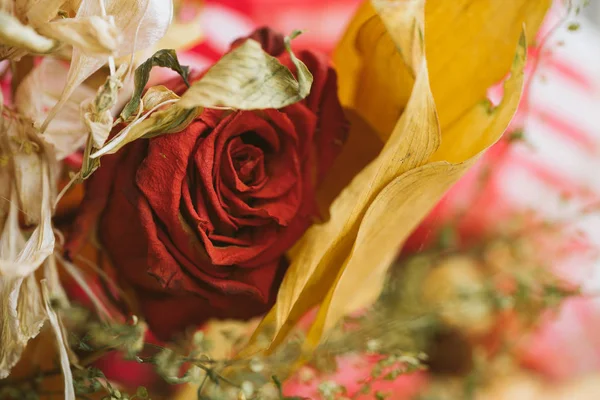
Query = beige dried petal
x=21 y=260
x=60 y=339
x=99 y=129
x=30 y=308
x=40 y=91
x=5 y=186
x=26 y=153
x=93 y=35
x=98 y=125
x=20 y=314
x=143 y=22
x=10 y=345
x=14 y=34
x=12 y=238
x=38 y=12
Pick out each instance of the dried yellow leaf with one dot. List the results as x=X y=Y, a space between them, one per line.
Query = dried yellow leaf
x=342 y=263
x=458 y=79
x=359 y=74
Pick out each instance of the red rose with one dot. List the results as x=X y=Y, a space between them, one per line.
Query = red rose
x=198 y=222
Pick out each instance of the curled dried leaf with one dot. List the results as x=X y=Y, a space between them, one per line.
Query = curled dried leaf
x=247 y=78
x=341 y=265
x=162 y=58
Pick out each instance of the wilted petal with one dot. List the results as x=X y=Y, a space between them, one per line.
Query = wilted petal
x=40 y=91
x=22 y=259
x=142 y=22
x=61 y=341
x=11 y=346
x=21 y=309
x=26 y=151
x=14 y=34
x=30 y=308
x=93 y=35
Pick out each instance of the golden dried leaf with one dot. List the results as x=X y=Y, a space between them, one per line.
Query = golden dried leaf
x=366 y=40
x=491 y=27
x=404 y=20
x=342 y=263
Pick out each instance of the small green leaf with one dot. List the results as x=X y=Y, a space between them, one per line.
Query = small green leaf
x=163 y=58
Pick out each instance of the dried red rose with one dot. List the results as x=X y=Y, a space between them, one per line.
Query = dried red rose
x=198 y=222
